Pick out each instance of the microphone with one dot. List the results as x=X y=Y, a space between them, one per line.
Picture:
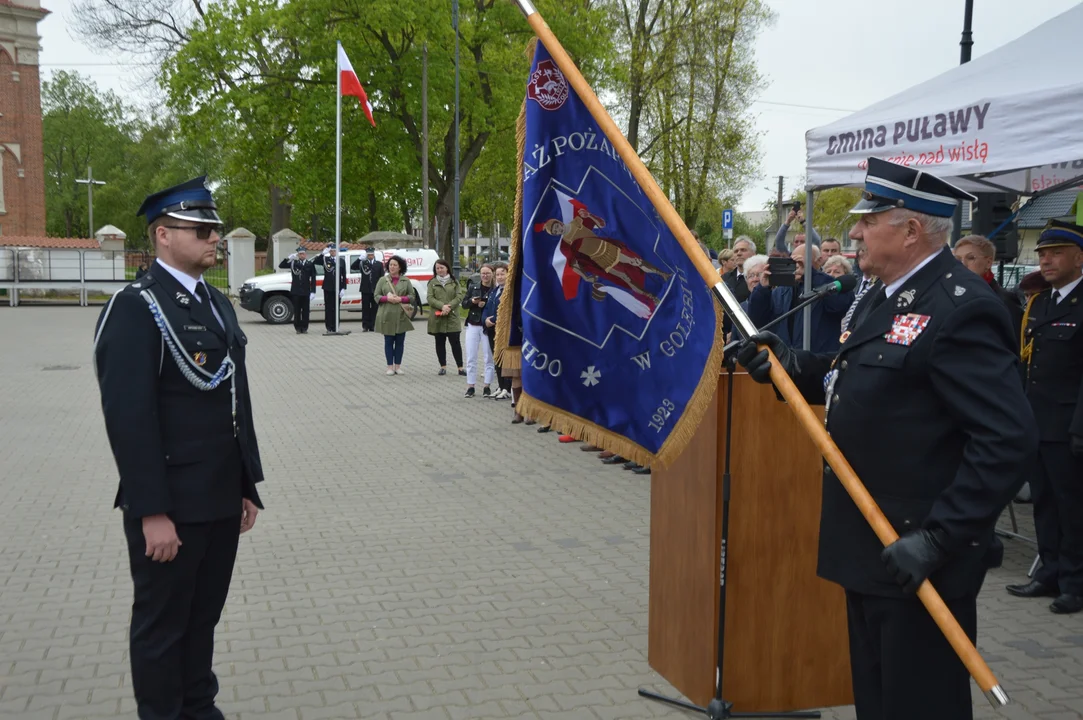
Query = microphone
x=846 y=283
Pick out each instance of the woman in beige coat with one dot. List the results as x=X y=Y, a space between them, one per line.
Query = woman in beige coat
x=445 y=323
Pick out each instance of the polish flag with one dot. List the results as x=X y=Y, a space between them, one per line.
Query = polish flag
x=350 y=85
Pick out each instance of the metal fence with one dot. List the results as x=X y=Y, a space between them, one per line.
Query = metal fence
x=218 y=276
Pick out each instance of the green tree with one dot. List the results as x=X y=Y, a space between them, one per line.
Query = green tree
x=831 y=211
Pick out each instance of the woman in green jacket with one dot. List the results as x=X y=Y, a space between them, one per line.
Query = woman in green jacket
x=395 y=316
x=444 y=320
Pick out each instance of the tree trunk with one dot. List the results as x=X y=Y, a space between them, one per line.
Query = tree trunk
x=408 y=226
x=280 y=209
x=374 y=223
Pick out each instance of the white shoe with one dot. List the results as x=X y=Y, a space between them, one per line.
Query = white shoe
x=400 y=371
x=390 y=372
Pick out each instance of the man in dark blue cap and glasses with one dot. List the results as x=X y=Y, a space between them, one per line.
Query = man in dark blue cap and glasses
x=924 y=400
x=170 y=361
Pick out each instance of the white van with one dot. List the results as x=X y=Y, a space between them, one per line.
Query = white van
x=269 y=295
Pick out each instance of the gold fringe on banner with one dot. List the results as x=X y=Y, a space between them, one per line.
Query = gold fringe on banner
x=505 y=355
x=598 y=436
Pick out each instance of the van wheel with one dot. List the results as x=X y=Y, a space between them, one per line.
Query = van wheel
x=278 y=310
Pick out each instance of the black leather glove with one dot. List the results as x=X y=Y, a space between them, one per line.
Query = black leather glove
x=755 y=360
x=1076 y=444
x=913 y=558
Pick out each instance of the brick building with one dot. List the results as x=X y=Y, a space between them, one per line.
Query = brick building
x=22 y=171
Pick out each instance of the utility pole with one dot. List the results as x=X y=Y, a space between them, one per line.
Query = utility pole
x=778 y=207
x=425 y=146
x=965 y=44
x=455 y=224
x=90 y=182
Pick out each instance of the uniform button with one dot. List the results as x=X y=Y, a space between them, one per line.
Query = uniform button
x=906 y=523
x=835 y=398
x=879 y=358
x=844 y=365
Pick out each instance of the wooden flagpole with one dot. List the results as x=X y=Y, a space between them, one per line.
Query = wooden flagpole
x=940 y=613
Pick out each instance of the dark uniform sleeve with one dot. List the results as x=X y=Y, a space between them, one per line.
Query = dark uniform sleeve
x=285 y=263
x=812 y=367
x=974 y=368
x=311 y=277
x=128 y=357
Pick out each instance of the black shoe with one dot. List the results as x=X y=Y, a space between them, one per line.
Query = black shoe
x=443 y=371
x=470 y=392
x=615 y=460
x=642 y=471
x=544 y=429
x=531 y=422
x=486 y=393
x=1067 y=604
x=1032 y=589
x=462 y=373
x=631 y=465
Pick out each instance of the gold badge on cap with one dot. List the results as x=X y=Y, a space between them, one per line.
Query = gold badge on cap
x=200 y=358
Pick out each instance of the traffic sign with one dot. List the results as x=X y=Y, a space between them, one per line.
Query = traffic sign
x=727 y=219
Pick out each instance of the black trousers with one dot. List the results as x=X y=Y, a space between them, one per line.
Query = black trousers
x=504 y=383
x=1057 y=492
x=330 y=306
x=175 y=610
x=368 y=311
x=901 y=665
x=302 y=308
x=456 y=348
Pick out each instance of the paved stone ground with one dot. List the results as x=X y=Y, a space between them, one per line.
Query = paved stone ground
x=420 y=557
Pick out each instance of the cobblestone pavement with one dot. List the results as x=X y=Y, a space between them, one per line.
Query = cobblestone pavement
x=420 y=557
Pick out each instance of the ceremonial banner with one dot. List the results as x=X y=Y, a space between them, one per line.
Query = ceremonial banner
x=621 y=339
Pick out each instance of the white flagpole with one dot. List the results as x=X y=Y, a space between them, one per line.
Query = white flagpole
x=338 y=175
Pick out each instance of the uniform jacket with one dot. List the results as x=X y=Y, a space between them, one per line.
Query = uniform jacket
x=933 y=421
x=303 y=276
x=390 y=317
x=329 y=280
x=474 y=312
x=174 y=444
x=1011 y=301
x=440 y=295
x=371 y=272
x=766 y=304
x=492 y=306
x=1054 y=375
x=739 y=288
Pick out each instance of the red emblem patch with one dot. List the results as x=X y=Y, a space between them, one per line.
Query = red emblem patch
x=547 y=86
x=906 y=328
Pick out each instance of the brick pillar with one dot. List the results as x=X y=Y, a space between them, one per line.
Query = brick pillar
x=242 y=258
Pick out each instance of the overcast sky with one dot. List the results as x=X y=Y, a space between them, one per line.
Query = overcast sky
x=832 y=57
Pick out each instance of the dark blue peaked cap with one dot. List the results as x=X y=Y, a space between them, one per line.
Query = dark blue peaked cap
x=190 y=201
x=1058 y=233
x=889 y=186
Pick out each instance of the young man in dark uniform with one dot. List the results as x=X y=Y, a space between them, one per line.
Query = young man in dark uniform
x=371 y=272
x=1053 y=355
x=332 y=264
x=170 y=361
x=302 y=287
x=924 y=400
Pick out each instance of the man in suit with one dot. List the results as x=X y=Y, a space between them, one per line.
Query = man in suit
x=302 y=287
x=170 y=361
x=334 y=286
x=371 y=272
x=923 y=399
x=743 y=249
x=977 y=253
x=1053 y=354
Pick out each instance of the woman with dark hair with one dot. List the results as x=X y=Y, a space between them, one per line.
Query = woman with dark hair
x=395 y=316
x=445 y=323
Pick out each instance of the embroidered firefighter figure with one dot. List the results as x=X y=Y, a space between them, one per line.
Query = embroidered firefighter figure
x=906 y=328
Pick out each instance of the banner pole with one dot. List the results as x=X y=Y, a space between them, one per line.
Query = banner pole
x=338 y=178
x=939 y=611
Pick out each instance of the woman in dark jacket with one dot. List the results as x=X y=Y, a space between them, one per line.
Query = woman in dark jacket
x=474 y=302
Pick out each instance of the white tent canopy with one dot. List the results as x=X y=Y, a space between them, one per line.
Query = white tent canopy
x=1009 y=120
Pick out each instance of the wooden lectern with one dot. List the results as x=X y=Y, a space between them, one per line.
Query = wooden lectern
x=786 y=644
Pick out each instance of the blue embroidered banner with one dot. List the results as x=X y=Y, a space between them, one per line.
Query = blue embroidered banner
x=621 y=338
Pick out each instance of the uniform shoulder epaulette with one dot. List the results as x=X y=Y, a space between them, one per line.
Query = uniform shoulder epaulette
x=962 y=286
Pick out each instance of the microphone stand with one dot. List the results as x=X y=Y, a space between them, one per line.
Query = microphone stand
x=789 y=313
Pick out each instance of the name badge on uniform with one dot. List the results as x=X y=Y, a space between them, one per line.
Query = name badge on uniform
x=195 y=328
x=906 y=328
x=1063 y=324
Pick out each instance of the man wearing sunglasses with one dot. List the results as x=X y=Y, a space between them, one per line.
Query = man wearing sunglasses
x=170 y=361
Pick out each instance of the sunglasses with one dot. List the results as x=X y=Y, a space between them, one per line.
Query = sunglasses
x=203 y=232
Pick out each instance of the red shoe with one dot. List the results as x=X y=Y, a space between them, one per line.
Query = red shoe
x=566 y=439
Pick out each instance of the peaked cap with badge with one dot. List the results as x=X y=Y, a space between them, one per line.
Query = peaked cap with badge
x=1058 y=233
x=190 y=201
x=924 y=400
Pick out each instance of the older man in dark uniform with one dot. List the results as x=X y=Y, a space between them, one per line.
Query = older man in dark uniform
x=924 y=400
x=170 y=362
x=371 y=272
x=1053 y=352
x=302 y=287
x=334 y=286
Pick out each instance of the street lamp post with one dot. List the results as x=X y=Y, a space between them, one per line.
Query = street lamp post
x=90 y=182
